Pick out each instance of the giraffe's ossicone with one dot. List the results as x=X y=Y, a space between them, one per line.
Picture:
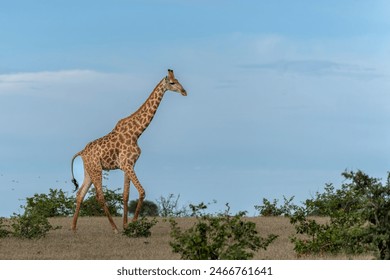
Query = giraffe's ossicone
x=119 y=150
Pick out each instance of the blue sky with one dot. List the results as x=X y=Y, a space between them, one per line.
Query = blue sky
x=283 y=96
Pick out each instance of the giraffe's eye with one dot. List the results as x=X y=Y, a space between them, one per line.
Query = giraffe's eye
x=172 y=83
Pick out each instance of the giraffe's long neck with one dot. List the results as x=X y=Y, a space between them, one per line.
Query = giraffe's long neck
x=141 y=119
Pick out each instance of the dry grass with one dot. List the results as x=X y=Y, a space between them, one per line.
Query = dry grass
x=95 y=240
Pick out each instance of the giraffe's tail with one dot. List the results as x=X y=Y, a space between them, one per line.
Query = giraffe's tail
x=74 y=181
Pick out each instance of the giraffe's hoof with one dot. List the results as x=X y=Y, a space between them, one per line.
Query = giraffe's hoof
x=116 y=231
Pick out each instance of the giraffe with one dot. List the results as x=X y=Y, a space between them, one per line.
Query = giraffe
x=119 y=150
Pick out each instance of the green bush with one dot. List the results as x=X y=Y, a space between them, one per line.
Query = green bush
x=139 y=228
x=30 y=225
x=33 y=223
x=359 y=216
x=4 y=232
x=58 y=204
x=217 y=237
x=169 y=207
x=91 y=207
x=54 y=204
x=272 y=209
x=339 y=235
x=149 y=208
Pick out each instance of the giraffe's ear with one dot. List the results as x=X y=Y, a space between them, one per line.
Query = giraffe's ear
x=171 y=76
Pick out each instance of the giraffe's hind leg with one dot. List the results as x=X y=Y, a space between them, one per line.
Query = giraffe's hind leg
x=80 y=197
x=126 y=193
x=96 y=177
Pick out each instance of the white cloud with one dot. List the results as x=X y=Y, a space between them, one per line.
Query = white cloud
x=318 y=68
x=358 y=57
x=67 y=83
x=30 y=81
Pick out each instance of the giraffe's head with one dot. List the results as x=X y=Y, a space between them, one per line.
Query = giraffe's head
x=173 y=84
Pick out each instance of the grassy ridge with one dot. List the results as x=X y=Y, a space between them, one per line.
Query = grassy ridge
x=95 y=240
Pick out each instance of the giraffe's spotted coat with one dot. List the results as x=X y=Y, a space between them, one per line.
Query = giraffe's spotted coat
x=119 y=150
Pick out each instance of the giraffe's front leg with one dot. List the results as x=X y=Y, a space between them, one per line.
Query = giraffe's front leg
x=96 y=177
x=126 y=194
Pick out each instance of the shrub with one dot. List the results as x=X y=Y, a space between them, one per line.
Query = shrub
x=168 y=207
x=149 y=208
x=33 y=223
x=139 y=228
x=30 y=225
x=4 y=232
x=333 y=237
x=217 y=237
x=91 y=207
x=54 y=204
x=359 y=216
x=272 y=209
